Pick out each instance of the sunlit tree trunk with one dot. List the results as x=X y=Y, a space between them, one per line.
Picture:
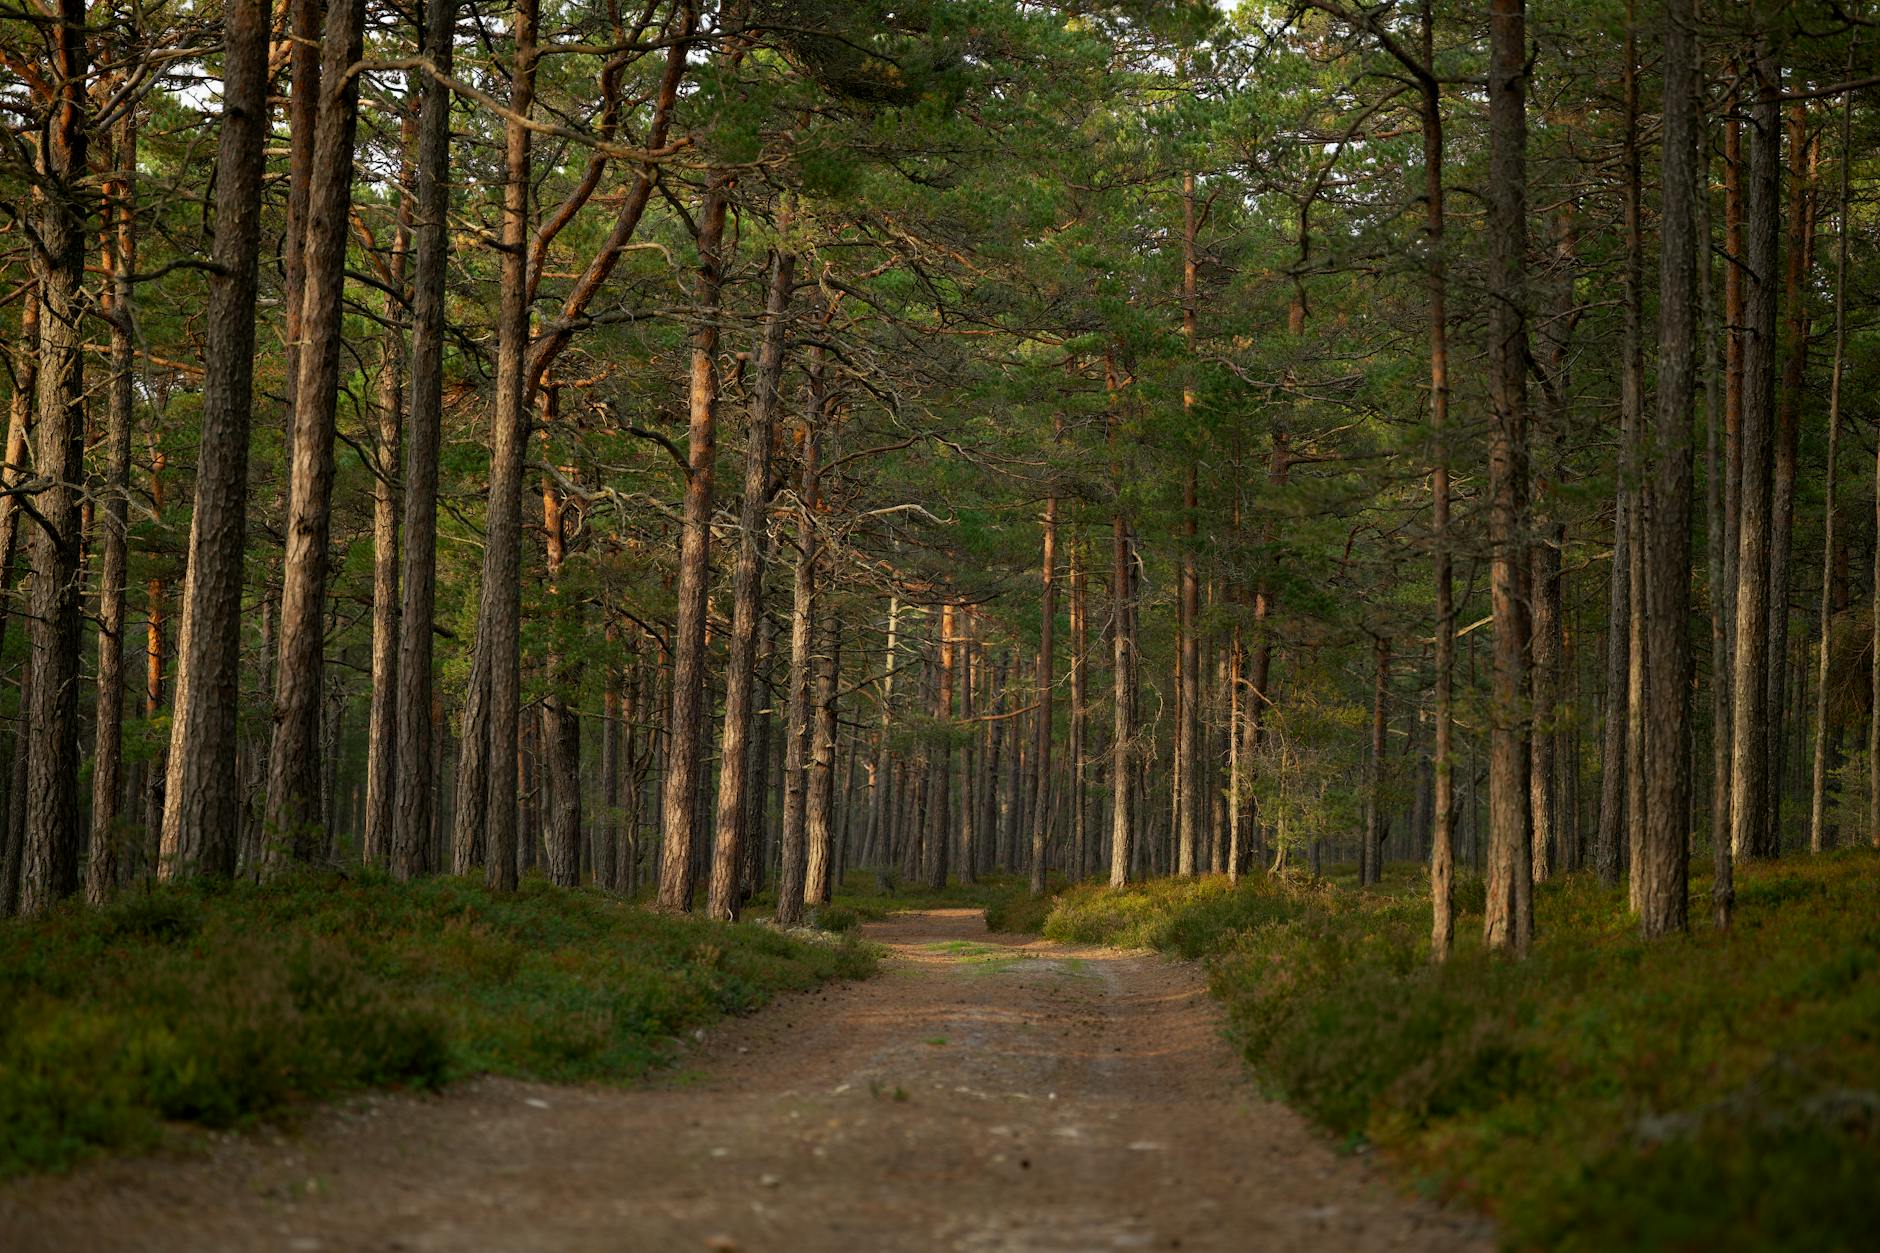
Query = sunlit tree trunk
x=939 y=790
x=1039 y=809
x=295 y=759
x=382 y=715
x=1080 y=718
x=1122 y=732
x=794 y=865
x=747 y=590
x=685 y=752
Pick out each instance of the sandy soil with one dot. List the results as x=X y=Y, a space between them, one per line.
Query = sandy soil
x=985 y=1094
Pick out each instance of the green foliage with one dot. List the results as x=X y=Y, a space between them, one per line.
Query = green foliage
x=1017 y=910
x=220 y=1006
x=1706 y=1091
x=838 y=919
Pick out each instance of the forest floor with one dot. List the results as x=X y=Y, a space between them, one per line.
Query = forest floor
x=985 y=1093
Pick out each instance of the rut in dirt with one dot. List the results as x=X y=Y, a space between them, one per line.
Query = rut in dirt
x=986 y=1093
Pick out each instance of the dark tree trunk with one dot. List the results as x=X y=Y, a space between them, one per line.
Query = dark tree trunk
x=1509 y=922
x=1442 y=802
x=491 y=716
x=50 y=868
x=413 y=819
x=202 y=798
x=1371 y=859
x=1662 y=883
x=108 y=832
x=1798 y=258
x=1750 y=747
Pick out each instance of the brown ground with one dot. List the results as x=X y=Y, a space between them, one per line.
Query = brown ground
x=986 y=1094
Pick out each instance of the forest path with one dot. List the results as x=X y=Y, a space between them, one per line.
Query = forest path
x=987 y=1094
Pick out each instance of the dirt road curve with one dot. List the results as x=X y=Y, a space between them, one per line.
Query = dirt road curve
x=985 y=1094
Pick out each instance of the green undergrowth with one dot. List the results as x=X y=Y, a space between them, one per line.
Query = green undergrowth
x=864 y=897
x=1706 y=1091
x=217 y=1005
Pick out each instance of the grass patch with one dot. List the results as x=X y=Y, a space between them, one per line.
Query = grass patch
x=217 y=1005
x=1707 y=1091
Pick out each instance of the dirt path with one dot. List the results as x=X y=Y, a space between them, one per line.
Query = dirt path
x=985 y=1094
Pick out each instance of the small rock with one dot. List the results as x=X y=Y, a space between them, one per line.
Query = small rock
x=769 y=1181
x=721 y=1244
x=536 y=1102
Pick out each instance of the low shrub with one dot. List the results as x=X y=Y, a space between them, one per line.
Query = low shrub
x=217 y=1005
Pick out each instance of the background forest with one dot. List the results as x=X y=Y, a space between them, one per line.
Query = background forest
x=699 y=449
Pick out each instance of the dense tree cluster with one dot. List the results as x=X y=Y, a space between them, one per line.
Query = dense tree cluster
x=703 y=447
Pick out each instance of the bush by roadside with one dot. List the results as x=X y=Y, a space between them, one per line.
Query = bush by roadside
x=217 y=1005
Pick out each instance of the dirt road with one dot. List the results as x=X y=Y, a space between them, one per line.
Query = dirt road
x=985 y=1094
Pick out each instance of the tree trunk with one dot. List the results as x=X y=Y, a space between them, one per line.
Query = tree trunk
x=1371 y=858
x=50 y=868
x=295 y=763
x=1443 y=811
x=382 y=716
x=679 y=816
x=1635 y=470
x=202 y=804
x=1750 y=752
x=1121 y=732
x=491 y=715
x=1817 y=821
x=413 y=818
x=747 y=591
x=795 y=850
x=884 y=760
x=1080 y=719
x=1799 y=257
x=107 y=831
x=819 y=813
x=1041 y=761
x=1663 y=891
x=939 y=790
x=1509 y=923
